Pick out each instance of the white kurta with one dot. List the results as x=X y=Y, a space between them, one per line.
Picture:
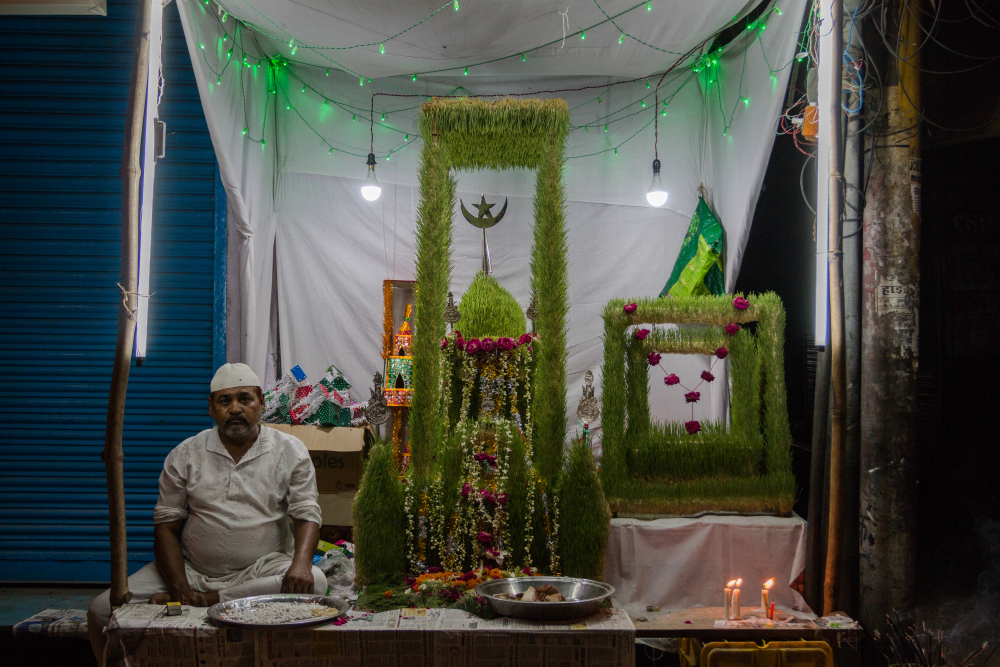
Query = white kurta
x=237 y=514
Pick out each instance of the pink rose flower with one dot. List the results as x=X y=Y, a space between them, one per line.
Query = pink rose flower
x=524 y=339
x=465 y=490
x=460 y=343
x=732 y=328
x=653 y=358
x=707 y=376
x=692 y=427
x=489 y=344
x=473 y=346
x=641 y=334
x=692 y=397
x=740 y=303
x=484 y=537
x=433 y=570
x=506 y=343
x=630 y=307
x=444 y=343
x=526 y=571
x=502 y=498
x=671 y=380
x=722 y=353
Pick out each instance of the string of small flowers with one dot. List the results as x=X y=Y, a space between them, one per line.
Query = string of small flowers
x=693 y=395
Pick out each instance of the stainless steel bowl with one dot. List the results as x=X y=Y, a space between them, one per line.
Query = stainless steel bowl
x=583 y=597
x=216 y=611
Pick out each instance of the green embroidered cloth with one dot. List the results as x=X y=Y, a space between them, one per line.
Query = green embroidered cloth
x=699 y=269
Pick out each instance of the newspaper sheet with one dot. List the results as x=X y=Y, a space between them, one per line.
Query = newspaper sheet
x=399 y=638
x=61 y=622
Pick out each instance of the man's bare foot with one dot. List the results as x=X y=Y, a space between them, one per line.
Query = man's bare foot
x=212 y=597
x=159 y=598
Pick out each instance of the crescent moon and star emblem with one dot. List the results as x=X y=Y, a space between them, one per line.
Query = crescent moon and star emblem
x=485 y=219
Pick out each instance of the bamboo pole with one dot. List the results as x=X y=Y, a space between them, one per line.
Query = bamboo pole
x=838 y=362
x=131 y=172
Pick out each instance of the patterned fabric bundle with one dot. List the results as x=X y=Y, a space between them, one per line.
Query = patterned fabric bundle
x=326 y=403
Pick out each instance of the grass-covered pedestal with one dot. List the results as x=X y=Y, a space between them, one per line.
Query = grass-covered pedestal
x=487 y=423
x=676 y=468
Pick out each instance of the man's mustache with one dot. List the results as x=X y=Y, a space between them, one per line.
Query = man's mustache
x=233 y=420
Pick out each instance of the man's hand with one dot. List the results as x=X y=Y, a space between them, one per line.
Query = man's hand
x=298 y=579
x=191 y=598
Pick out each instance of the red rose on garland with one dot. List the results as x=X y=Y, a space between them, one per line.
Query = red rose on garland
x=488 y=344
x=692 y=396
x=473 y=346
x=524 y=339
x=732 y=328
x=706 y=376
x=653 y=358
x=444 y=343
x=630 y=307
x=692 y=427
x=722 y=353
x=671 y=380
x=740 y=303
x=641 y=334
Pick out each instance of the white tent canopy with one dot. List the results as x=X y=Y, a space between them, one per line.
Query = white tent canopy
x=292 y=140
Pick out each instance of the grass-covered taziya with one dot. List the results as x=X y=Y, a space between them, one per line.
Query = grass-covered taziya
x=487 y=423
x=651 y=468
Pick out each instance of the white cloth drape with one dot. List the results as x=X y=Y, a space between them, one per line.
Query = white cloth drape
x=334 y=249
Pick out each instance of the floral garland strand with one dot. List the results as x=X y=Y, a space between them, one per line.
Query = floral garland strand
x=410 y=524
x=438 y=525
x=693 y=395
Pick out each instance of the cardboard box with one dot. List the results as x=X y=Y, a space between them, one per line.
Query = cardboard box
x=336 y=508
x=337 y=454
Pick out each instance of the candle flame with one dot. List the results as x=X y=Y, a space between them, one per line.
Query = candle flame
x=731 y=584
x=769 y=583
x=739 y=582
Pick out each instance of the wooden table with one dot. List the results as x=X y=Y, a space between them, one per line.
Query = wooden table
x=699 y=623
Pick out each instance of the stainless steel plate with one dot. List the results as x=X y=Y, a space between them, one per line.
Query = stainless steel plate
x=583 y=597
x=216 y=610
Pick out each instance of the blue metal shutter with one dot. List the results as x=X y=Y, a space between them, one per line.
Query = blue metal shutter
x=62 y=120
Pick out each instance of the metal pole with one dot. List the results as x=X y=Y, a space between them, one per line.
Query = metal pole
x=847 y=595
x=889 y=338
x=815 y=533
x=131 y=173
x=838 y=367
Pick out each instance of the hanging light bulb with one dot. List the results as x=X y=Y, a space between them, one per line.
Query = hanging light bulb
x=656 y=195
x=371 y=189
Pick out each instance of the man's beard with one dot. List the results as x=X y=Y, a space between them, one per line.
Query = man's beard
x=236 y=428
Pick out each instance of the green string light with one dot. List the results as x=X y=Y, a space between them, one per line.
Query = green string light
x=263 y=143
x=605 y=128
x=414 y=77
x=647 y=85
x=586 y=128
x=598 y=100
x=361 y=81
x=778 y=11
x=583 y=35
x=294 y=49
x=328 y=71
x=616 y=151
x=224 y=16
x=456 y=5
x=466 y=72
x=621 y=39
x=354 y=116
x=381 y=48
x=746 y=102
x=202 y=46
x=218 y=79
x=644 y=104
x=383 y=117
x=406 y=138
x=649 y=6
x=229 y=54
x=522 y=58
x=245 y=130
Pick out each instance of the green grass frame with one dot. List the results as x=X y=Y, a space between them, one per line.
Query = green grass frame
x=470 y=133
x=650 y=468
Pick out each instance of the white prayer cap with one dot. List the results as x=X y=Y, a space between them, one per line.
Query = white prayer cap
x=234 y=375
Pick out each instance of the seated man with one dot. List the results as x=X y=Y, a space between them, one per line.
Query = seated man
x=222 y=519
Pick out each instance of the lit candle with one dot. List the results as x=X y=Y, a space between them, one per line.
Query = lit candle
x=736 y=601
x=729 y=597
x=764 y=595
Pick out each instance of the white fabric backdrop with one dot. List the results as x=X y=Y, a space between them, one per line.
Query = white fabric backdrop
x=300 y=200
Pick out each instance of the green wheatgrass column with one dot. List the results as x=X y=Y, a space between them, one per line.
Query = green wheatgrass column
x=549 y=282
x=433 y=277
x=613 y=471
